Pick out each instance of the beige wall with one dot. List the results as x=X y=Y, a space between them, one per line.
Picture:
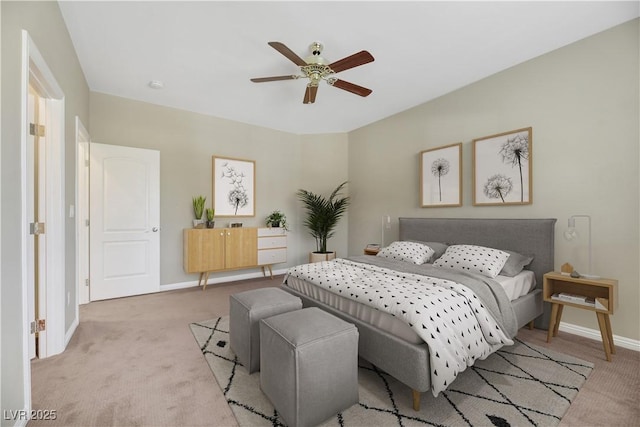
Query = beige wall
x=582 y=102
x=46 y=27
x=187 y=141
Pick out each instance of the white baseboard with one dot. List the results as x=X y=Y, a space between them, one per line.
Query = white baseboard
x=594 y=334
x=214 y=280
x=70 y=332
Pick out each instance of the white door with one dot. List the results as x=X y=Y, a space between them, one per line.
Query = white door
x=124 y=221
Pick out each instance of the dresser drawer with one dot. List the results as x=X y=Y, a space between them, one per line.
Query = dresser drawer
x=272 y=256
x=270 y=231
x=272 y=242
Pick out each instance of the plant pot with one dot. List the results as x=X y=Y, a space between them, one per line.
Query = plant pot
x=210 y=224
x=321 y=256
x=198 y=223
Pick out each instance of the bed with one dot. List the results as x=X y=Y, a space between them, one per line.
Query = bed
x=391 y=345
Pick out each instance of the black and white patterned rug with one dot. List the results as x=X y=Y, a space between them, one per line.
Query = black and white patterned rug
x=519 y=385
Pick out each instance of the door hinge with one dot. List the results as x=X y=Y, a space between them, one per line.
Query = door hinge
x=86 y=222
x=36 y=129
x=36 y=228
x=38 y=326
x=86 y=163
x=87 y=282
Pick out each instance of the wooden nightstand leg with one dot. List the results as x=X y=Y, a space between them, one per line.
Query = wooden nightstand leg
x=557 y=326
x=609 y=333
x=552 y=321
x=531 y=325
x=605 y=335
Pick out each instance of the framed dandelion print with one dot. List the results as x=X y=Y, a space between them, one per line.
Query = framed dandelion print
x=502 y=172
x=234 y=184
x=441 y=176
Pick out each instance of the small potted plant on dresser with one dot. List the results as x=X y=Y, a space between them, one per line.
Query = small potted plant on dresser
x=277 y=219
x=210 y=214
x=322 y=217
x=198 y=210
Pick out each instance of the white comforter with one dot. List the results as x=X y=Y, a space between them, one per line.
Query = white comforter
x=448 y=316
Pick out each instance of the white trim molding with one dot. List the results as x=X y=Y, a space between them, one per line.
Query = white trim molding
x=71 y=331
x=222 y=279
x=36 y=72
x=594 y=334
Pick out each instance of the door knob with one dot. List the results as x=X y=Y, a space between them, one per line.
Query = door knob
x=154 y=229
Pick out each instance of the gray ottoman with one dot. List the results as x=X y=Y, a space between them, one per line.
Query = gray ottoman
x=308 y=365
x=245 y=311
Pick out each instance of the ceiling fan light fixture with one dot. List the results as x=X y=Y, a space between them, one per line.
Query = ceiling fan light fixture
x=315 y=58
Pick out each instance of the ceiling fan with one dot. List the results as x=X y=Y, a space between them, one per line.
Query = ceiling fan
x=315 y=68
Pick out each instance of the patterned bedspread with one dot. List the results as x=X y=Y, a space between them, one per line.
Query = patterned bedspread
x=447 y=315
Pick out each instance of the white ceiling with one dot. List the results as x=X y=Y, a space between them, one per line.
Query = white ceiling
x=205 y=52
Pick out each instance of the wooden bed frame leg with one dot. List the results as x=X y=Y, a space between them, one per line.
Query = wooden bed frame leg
x=416 y=400
x=531 y=325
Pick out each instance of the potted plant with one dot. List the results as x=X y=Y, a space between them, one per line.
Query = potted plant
x=198 y=210
x=277 y=219
x=210 y=214
x=323 y=215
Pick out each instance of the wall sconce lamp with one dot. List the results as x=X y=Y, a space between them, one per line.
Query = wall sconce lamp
x=386 y=223
x=572 y=234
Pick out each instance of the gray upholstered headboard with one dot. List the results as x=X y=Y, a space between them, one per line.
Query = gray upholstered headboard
x=526 y=236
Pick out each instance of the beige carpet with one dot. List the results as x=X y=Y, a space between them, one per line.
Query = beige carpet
x=133 y=361
x=517 y=386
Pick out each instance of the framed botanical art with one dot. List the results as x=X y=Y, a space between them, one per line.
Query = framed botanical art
x=502 y=171
x=441 y=176
x=234 y=184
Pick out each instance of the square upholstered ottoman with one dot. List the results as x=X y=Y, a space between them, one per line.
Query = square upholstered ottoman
x=245 y=311
x=308 y=365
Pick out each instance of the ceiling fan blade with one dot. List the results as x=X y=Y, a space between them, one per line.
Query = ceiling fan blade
x=272 y=79
x=353 y=88
x=360 y=58
x=291 y=55
x=310 y=95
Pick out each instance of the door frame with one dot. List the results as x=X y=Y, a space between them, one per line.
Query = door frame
x=83 y=140
x=36 y=72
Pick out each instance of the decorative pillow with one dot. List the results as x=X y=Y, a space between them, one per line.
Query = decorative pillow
x=414 y=252
x=515 y=263
x=475 y=259
x=438 y=248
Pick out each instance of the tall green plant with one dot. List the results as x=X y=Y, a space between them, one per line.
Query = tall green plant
x=323 y=214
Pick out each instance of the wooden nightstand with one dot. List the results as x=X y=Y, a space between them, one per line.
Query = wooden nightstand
x=603 y=292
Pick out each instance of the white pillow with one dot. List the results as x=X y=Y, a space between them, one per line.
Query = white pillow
x=475 y=259
x=414 y=252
